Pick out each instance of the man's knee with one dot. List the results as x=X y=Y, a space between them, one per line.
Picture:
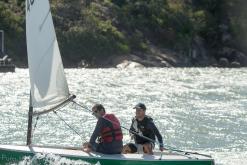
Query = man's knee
x=148 y=148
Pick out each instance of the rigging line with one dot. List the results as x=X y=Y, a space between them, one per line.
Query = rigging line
x=120 y=125
x=161 y=155
x=154 y=141
x=37 y=118
x=186 y=152
x=35 y=125
x=179 y=152
x=69 y=125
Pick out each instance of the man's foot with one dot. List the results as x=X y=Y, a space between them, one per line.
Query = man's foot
x=87 y=150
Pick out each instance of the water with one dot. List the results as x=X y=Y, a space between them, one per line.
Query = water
x=195 y=109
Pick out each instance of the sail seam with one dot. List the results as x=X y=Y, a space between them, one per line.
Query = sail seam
x=43 y=22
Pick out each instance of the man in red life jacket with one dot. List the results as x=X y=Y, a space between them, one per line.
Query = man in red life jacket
x=109 y=132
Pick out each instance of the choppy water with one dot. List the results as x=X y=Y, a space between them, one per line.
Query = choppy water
x=195 y=109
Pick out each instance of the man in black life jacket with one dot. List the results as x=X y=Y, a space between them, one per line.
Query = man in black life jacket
x=143 y=126
x=109 y=132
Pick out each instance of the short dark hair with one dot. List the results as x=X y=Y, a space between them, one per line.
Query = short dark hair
x=99 y=107
x=141 y=106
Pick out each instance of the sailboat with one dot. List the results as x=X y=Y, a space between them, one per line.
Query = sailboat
x=49 y=90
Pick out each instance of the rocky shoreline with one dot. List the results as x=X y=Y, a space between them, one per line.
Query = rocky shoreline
x=200 y=57
x=161 y=59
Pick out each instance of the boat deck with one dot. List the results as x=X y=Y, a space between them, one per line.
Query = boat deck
x=78 y=153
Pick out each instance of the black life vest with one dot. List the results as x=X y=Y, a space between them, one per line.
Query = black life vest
x=112 y=131
x=145 y=131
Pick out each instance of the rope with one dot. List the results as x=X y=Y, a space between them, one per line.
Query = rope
x=35 y=125
x=37 y=118
x=69 y=125
x=161 y=155
x=120 y=125
x=185 y=153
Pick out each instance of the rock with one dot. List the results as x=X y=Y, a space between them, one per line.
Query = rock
x=165 y=64
x=124 y=59
x=82 y=64
x=223 y=62
x=129 y=65
x=135 y=58
x=241 y=58
x=123 y=65
x=223 y=27
x=135 y=65
x=235 y=64
x=199 y=55
x=158 y=57
x=214 y=65
x=226 y=38
x=234 y=55
x=226 y=52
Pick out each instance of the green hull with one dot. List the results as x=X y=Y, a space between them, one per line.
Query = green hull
x=9 y=156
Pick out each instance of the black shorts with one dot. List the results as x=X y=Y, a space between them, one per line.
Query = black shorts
x=110 y=148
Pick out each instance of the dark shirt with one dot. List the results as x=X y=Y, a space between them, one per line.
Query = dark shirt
x=114 y=147
x=145 y=128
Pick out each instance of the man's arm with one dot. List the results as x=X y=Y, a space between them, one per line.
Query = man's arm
x=132 y=129
x=157 y=133
x=96 y=133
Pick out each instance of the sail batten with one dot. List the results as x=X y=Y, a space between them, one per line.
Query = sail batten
x=48 y=82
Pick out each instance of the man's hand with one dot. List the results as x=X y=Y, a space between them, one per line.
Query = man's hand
x=161 y=148
x=87 y=150
x=132 y=136
x=87 y=147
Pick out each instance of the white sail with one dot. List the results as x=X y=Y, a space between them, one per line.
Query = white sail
x=48 y=82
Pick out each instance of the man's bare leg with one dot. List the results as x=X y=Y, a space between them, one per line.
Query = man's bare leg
x=147 y=148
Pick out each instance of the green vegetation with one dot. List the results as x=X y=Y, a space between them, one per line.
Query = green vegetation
x=12 y=22
x=95 y=29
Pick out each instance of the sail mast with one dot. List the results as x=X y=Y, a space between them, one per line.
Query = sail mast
x=30 y=122
x=49 y=87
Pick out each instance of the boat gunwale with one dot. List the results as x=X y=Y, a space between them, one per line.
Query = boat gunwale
x=99 y=156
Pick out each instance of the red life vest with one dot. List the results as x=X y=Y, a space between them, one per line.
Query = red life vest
x=112 y=131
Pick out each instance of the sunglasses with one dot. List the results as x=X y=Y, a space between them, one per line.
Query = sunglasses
x=95 y=112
